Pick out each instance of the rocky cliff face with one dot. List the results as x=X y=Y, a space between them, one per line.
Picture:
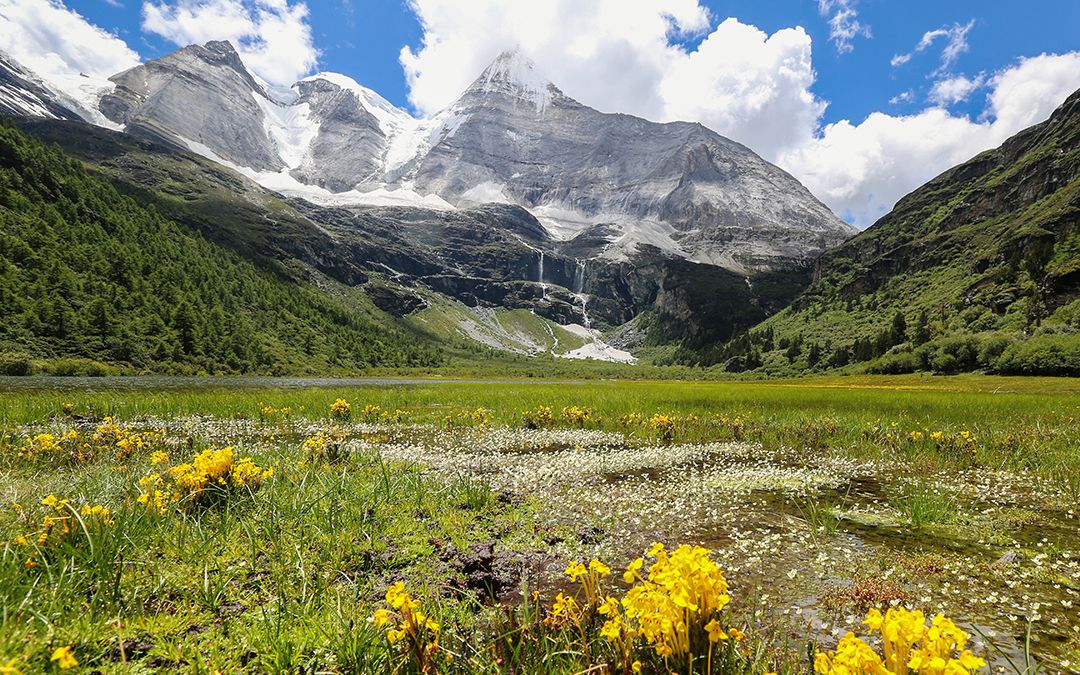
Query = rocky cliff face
x=200 y=94
x=679 y=187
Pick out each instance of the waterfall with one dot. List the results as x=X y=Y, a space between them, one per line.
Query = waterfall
x=540 y=280
x=579 y=292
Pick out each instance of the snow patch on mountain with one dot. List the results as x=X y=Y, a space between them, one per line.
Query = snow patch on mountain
x=595 y=348
x=516 y=73
x=83 y=92
x=285 y=184
x=487 y=192
x=392 y=120
x=415 y=138
x=290 y=127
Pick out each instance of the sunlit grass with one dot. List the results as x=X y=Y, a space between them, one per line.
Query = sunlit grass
x=817 y=499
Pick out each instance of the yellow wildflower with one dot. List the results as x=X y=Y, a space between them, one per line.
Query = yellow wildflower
x=340 y=408
x=716 y=631
x=64 y=658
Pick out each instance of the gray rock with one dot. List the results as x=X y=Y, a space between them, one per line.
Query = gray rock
x=199 y=93
x=679 y=186
x=349 y=146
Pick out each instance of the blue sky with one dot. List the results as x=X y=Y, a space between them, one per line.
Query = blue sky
x=862 y=100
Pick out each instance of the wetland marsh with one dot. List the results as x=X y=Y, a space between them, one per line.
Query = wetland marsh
x=820 y=501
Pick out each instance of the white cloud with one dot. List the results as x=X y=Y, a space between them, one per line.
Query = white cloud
x=955 y=44
x=903 y=97
x=861 y=170
x=747 y=85
x=273 y=37
x=612 y=53
x=844 y=24
x=955 y=89
x=619 y=56
x=54 y=41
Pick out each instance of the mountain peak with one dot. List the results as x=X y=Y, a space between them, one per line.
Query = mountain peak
x=218 y=53
x=514 y=73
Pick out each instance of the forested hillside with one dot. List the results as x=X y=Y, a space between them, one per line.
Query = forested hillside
x=86 y=271
x=979 y=269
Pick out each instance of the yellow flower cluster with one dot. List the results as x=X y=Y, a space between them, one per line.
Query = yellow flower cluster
x=208 y=473
x=375 y=413
x=539 y=418
x=64 y=658
x=909 y=645
x=325 y=446
x=409 y=627
x=126 y=441
x=341 y=409
x=662 y=425
x=269 y=412
x=59 y=523
x=371 y=412
x=961 y=443
x=74 y=447
x=577 y=416
x=683 y=592
x=667 y=425
x=736 y=425
x=67 y=447
x=673 y=610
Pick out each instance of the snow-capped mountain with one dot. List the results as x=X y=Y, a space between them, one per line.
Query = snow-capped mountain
x=23 y=93
x=514 y=196
x=602 y=183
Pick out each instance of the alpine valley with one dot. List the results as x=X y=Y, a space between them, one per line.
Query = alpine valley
x=515 y=221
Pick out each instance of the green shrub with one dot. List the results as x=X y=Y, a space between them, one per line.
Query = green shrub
x=894 y=364
x=15 y=363
x=945 y=363
x=1042 y=355
x=991 y=347
x=78 y=368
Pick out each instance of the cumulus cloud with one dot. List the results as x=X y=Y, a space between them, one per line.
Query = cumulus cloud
x=747 y=85
x=861 y=170
x=612 y=53
x=844 y=24
x=273 y=37
x=54 y=41
x=956 y=43
x=625 y=56
x=955 y=89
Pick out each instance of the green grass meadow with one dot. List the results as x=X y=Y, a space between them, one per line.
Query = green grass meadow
x=446 y=486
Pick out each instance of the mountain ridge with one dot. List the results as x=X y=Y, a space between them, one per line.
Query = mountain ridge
x=511 y=137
